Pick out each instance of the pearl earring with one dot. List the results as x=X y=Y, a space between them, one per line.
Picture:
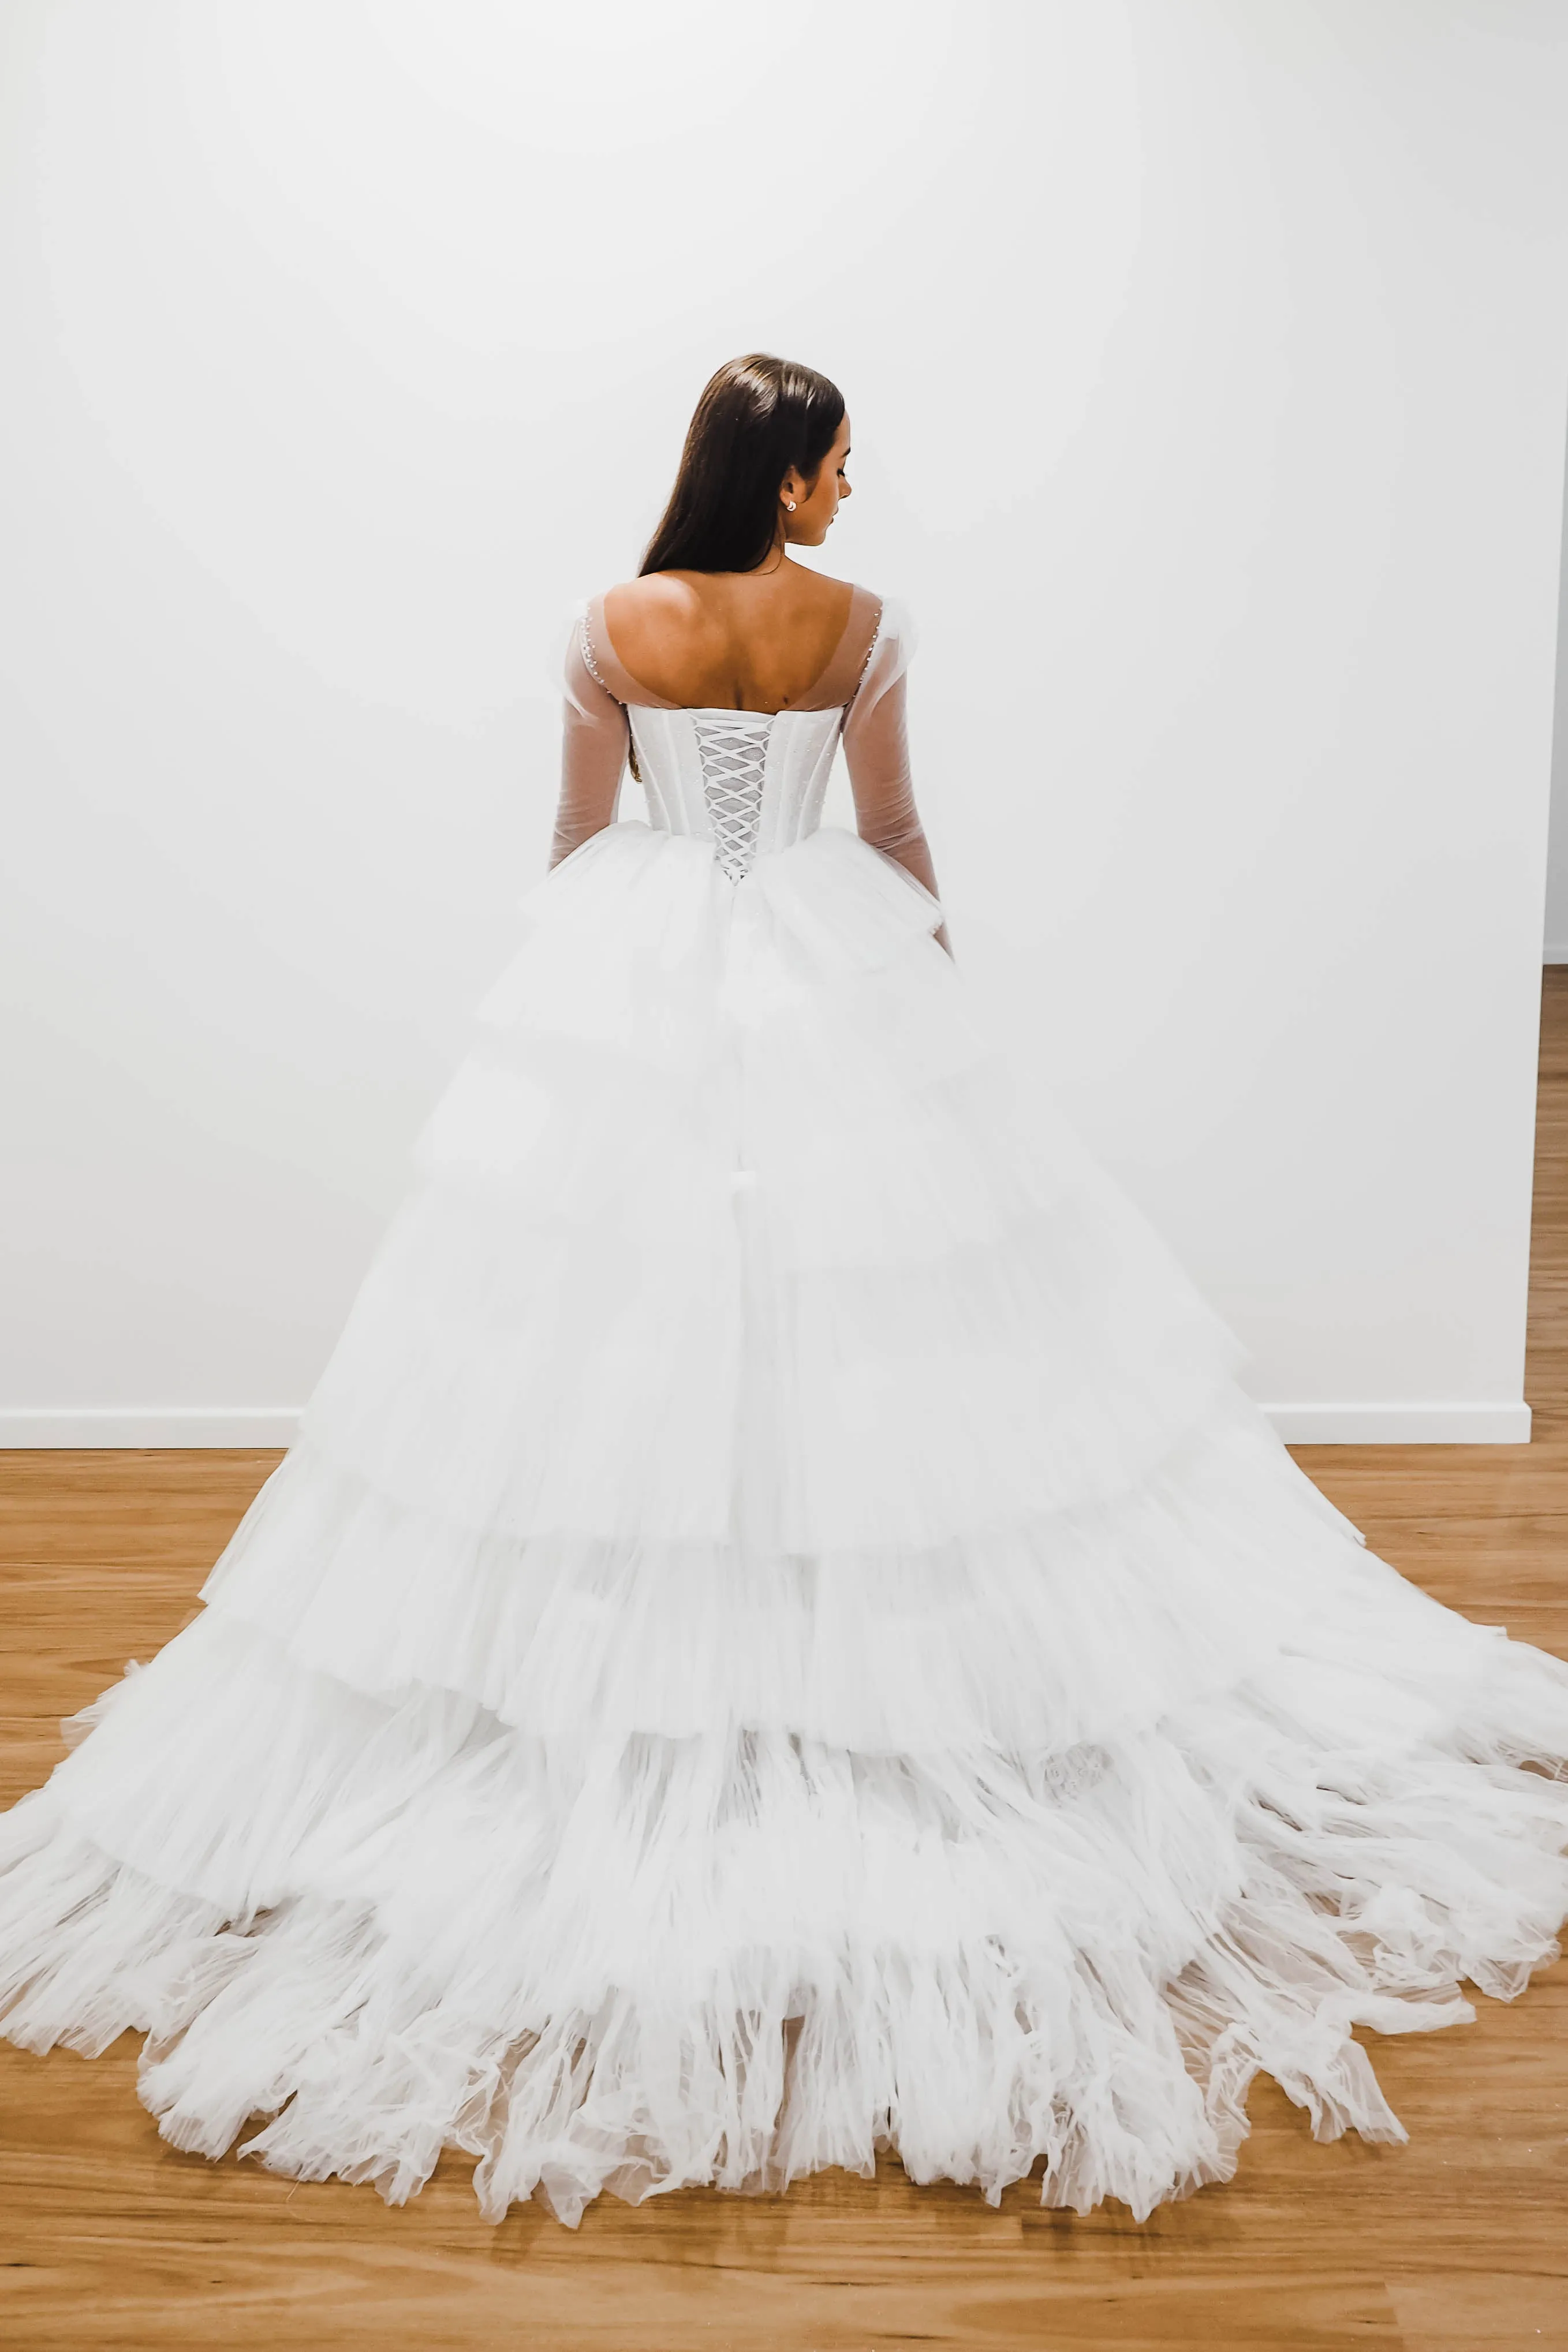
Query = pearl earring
x=790 y=503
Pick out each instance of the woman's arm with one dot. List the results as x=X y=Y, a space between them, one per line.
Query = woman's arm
x=877 y=752
x=594 y=739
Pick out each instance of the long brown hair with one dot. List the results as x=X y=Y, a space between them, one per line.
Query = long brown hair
x=757 y=418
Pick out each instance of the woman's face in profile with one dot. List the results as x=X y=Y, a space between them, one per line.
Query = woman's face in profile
x=813 y=516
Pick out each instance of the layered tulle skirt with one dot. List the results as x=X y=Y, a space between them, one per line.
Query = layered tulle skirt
x=780 y=1637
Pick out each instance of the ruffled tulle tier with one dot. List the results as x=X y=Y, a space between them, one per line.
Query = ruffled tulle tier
x=1039 y=1637
x=744 y=1955
x=780 y=1637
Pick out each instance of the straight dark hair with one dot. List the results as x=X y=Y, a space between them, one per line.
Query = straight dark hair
x=757 y=418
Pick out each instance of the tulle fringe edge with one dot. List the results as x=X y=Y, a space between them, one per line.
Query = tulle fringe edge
x=967 y=2064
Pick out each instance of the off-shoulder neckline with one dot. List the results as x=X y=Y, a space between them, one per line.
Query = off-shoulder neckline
x=644 y=697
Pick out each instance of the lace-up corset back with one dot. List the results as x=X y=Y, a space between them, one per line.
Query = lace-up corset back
x=734 y=755
x=750 y=781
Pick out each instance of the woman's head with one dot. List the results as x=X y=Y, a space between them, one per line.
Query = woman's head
x=763 y=460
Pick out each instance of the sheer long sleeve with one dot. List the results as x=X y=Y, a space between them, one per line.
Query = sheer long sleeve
x=876 y=752
x=593 y=741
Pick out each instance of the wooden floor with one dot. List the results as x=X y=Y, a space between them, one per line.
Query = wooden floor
x=1455 y=2244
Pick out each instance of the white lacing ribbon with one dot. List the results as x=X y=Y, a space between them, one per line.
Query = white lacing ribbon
x=733 y=750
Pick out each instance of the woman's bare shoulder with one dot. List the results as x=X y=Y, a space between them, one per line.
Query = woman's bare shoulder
x=686 y=592
x=656 y=595
x=823 y=591
x=844 y=596
x=827 y=584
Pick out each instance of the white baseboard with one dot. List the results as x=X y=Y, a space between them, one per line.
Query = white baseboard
x=1555 y=951
x=1436 y=1424
x=270 y=1426
x=139 y=1425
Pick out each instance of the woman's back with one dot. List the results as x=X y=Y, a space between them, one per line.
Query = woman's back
x=757 y=641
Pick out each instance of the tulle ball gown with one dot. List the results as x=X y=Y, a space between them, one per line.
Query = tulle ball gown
x=780 y=1635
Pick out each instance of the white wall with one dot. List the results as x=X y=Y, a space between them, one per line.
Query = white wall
x=1557 y=854
x=1207 y=363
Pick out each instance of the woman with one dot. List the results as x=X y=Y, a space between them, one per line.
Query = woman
x=779 y=1635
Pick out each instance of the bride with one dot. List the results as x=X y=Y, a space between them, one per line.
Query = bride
x=780 y=1635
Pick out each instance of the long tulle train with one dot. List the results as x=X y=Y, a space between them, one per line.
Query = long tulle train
x=780 y=1638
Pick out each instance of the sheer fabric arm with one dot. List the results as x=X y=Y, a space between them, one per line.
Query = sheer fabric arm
x=593 y=739
x=876 y=752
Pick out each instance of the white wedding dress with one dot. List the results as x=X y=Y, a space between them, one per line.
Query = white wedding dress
x=780 y=1635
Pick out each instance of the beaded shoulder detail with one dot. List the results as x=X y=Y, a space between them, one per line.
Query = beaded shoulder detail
x=589 y=664
x=876 y=641
x=585 y=644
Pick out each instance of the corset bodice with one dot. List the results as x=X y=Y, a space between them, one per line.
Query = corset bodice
x=750 y=781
